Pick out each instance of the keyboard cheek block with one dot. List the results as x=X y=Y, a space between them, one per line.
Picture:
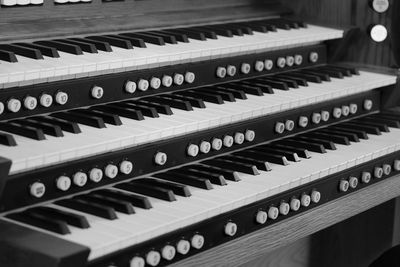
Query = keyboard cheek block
x=161 y=155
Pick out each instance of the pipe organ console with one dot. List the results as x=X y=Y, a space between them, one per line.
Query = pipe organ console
x=146 y=133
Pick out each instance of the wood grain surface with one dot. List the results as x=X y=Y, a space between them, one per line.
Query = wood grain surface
x=256 y=244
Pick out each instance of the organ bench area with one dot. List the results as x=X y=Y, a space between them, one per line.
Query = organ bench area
x=174 y=133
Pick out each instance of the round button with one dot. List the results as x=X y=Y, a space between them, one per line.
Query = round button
x=325 y=116
x=153 y=258
x=345 y=111
x=221 y=72
x=380 y=6
x=313 y=57
x=259 y=66
x=387 y=169
x=190 y=77
x=183 y=247
x=273 y=213
x=316 y=118
x=137 y=262
x=63 y=183
x=344 y=186
x=249 y=135
x=1 y=108
x=396 y=165
x=245 y=68
x=46 y=100
x=366 y=177
x=179 y=79
x=279 y=127
x=160 y=158
x=353 y=108
x=315 y=196
x=269 y=64
x=305 y=200
x=13 y=105
x=378 y=172
x=228 y=141
x=126 y=167
x=216 y=144
x=303 y=121
x=79 y=179
x=130 y=87
x=167 y=81
x=205 y=147
x=168 y=252
x=30 y=102
x=239 y=138
x=143 y=85
x=353 y=182
x=261 y=217
x=368 y=104
x=155 y=83
x=96 y=175
x=37 y=189
x=192 y=150
x=284 y=208
x=281 y=62
x=378 y=33
x=230 y=229
x=111 y=171
x=197 y=241
x=337 y=113
x=295 y=204
x=61 y=98
x=289 y=125
x=289 y=61
x=97 y=92
x=298 y=60
x=231 y=70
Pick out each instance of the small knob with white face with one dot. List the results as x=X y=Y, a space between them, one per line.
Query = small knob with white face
x=97 y=92
x=197 y=241
x=353 y=182
x=298 y=60
x=295 y=204
x=249 y=135
x=130 y=87
x=289 y=61
x=61 y=98
x=126 y=167
x=160 y=158
x=245 y=68
x=314 y=56
x=13 y=105
x=268 y=64
x=259 y=66
x=387 y=169
x=221 y=72
x=273 y=213
x=80 y=179
x=284 y=208
x=279 y=127
x=37 y=189
x=230 y=229
x=325 y=115
x=396 y=165
x=190 y=77
x=353 y=108
x=111 y=171
x=289 y=125
x=316 y=118
x=378 y=33
x=30 y=102
x=155 y=83
x=305 y=200
x=261 y=217
x=231 y=70
x=337 y=113
x=96 y=175
x=378 y=172
x=345 y=110
x=239 y=138
x=183 y=247
x=303 y=121
x=167 y=81
x=366 y=177
x=205 y=147
x=344 y=186
x=168 y=252
x=228 y=141
x=143 y=85
x=315 y=196
x=281 y=62
x=178 y=79
x=63 y=183
x=153 y=258
x=216 y=144
x=192 y=150
x=368 y=104
x=137 y=262
x=1 y=108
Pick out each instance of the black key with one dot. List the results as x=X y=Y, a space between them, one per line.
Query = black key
x=187 y=33
x=47 y=128
x=45 y=50
x=7 y=139
x=68 y=217
x=118 y=205
x=22 y=50
x=148 y=190
x=290 y=155
x=146 y=111
x=301 y=152
x=67 y=48
x=290 y=83
x=236 y=93
x=254 y=27
x=338 y=139
x=86 y=47
x=323 y=76
x=178 y=104
x=315 y=147
x=345 y=72
x=267 y=25
x=216 y=99
x=177 y=177
x=382 y=126
x=263 y=155
x=8 y=56
x=98 y=210
x=88 y=120
x=207 y=33
x=244 y=88
x=136 y=200
x=369 y=129
x=360 y=133
x=332 y=73
x=100 y=45
x=292 y=24
x=228 y=174
x=138 y=42
x=161 y=108
x=351 y=136
x=260 y=164
x=26 y=131
x=328 y=144
x=299 y=81
x=234 y=30
x=67 y=126
x=148 y=38
x=265 y=88
x=118 y=42
x=308 y=77
x=179 y=37
x=178 y=189
x=280 y=24
x=217 y=30
x=121 y=111
x=214 y=179
x=352 y=70
x=273 y=84
x=107 y=117
x=244 y=28
x=195 y=102
x=56 y=226
x=226 y=96
x=227 y=164
x=168 y=38
x=394 y=123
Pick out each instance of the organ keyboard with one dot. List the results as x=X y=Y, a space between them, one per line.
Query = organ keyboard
x=145 y=146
